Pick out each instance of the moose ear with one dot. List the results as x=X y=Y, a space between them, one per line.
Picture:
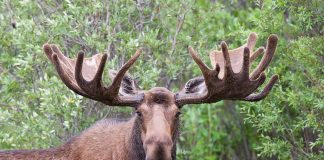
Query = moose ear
x=128 y=85
x=195 y=85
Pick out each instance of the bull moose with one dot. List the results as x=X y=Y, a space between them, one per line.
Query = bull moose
x=151 y=133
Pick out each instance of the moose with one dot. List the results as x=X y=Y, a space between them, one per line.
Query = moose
x=153 y=130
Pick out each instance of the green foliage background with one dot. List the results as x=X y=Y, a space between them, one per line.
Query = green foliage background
x=38 y=111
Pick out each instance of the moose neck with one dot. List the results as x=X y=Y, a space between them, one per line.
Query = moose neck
x=138 y=152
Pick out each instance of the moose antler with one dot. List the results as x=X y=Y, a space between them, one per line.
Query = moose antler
x=230 y=81
x=84 y=76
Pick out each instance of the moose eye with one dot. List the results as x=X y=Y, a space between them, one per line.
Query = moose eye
x=178 y=114
x=139 y=113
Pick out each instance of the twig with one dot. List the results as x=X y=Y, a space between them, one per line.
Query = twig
x=180 y=20
x=108 y=14
x=140 y=8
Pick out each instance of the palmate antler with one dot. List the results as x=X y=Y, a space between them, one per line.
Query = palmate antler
x=84 y=76
x=230 y=81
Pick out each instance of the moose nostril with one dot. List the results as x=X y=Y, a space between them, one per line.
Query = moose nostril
x=166 y=141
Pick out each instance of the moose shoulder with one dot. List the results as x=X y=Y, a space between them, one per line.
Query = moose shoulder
x=152 y=132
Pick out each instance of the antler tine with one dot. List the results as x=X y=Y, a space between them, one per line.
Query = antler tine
x=115 y=85
x=78 y=71
x=228 y=72
x=267 y=57
x=246 y=63
x=98 y=76
x=258 y=52
x=265 y=91
x=202 y=66
x=252 y=40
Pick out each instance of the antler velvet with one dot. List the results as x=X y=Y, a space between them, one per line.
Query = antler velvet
x=84 y=76
x=230 y=79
